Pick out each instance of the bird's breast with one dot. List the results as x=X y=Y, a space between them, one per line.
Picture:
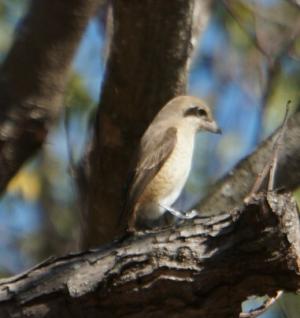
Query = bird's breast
x=168 y=183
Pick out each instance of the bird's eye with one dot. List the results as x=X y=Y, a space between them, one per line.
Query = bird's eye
x=195 y=111
x=201 y=112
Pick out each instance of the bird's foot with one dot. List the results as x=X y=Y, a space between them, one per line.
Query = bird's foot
x=186 y=216
x=191 y=214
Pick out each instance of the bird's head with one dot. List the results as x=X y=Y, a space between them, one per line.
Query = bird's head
x=191 y=112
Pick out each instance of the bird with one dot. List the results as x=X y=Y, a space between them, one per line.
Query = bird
x=163 y=161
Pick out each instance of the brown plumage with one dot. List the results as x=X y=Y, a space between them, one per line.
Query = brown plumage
x=164 y=159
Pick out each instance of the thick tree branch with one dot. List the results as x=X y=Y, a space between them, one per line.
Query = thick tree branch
x=230 y=191
x=148 y=63
x=33 y=77
x=203 y=268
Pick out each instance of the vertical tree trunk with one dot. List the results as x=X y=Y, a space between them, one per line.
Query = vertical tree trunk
x=148 y=63
x=33 y=77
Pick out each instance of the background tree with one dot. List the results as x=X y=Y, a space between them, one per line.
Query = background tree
x=242 y=46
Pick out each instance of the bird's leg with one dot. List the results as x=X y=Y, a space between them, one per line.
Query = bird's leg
x=180 y=215
x=191 y=214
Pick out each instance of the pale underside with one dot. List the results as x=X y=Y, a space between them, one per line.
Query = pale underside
x=161 y=174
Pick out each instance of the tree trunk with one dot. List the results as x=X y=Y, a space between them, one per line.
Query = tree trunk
x=148 y=64
x=33 y=77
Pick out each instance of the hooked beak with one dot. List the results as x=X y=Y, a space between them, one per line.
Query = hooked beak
x=212 y=127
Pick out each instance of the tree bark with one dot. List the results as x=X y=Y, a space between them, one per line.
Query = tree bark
x=230 y=191
x=33 y=77
x=148 y=64
x=202 y=268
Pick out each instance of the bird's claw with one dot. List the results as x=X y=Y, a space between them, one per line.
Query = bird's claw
x=191 y=214
x=186 y=216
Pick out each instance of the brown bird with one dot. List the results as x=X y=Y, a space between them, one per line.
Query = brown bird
x=164 y=161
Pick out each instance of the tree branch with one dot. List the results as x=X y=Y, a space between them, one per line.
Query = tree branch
x=230 y=191
x=33 y=77
x=202 y=268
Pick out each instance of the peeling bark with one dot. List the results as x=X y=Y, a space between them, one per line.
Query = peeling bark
x=202 y=268
x=148 y=63
x=33 y=77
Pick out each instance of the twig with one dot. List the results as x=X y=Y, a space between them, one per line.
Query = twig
x=253 y=38
x=276 y=147
x=72 y=166
x=271 y=165
x=258 y=182
x=261 y=309
x=271 y=58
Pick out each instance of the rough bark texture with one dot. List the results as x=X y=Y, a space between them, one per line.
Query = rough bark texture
x=230 y=191
x=203 y=268
x=149 y=57
x=33 y=77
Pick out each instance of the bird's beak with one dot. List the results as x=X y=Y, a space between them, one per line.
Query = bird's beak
x=212 y=126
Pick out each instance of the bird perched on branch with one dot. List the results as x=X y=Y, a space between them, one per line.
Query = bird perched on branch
x=164 y=161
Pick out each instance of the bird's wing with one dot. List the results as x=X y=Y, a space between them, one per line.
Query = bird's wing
x=152 y=154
